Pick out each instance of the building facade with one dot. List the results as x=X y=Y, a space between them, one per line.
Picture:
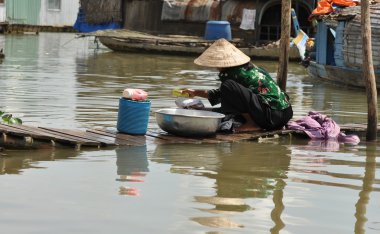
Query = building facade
x=189 y=17
x=42 y=12
x=2 y=11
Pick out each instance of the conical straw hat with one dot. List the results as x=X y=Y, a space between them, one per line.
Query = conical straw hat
x=222 y=54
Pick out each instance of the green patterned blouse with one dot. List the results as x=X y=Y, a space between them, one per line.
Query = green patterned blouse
x=260 y=82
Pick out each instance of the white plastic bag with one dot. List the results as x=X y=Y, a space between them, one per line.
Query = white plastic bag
x=189 y=103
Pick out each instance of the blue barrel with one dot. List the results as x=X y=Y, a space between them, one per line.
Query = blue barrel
x=133 y=116
x=218 y=29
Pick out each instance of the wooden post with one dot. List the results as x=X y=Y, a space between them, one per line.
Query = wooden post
x=368 y=72
x=282 y=71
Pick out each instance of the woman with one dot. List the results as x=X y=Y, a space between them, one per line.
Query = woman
x=246 y=90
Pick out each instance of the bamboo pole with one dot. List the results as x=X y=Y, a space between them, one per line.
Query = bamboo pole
x=282 y=71
x=368 y=72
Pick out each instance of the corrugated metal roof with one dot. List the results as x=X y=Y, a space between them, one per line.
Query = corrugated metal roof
x=190 y=10
x=204 y=10
x=233 y=10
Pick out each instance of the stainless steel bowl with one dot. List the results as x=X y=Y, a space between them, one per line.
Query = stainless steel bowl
x=186 y=122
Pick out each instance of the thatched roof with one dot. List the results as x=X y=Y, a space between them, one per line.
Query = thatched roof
x=102 y=11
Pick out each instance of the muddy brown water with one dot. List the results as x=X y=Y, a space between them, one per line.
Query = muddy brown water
x=285 y=185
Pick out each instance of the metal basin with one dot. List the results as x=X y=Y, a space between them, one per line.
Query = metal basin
x=185 y=122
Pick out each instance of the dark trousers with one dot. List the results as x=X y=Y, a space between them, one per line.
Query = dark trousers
x=237 y=99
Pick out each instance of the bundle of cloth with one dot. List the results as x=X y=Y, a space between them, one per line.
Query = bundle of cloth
x=320 y=127
x=327 y=6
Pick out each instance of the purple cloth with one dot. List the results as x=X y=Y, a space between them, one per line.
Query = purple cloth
x=320 y=127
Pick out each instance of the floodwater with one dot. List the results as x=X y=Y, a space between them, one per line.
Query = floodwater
x=285 y=185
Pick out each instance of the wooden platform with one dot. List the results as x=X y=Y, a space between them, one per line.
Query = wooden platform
x=23 y=136
x=7 y=28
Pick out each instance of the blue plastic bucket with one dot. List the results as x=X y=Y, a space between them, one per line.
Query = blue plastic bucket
x=218 y=29
x=133 y=116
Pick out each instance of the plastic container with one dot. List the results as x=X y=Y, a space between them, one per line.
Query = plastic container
x=135 y=94
x=133 y=116
x=218 y=29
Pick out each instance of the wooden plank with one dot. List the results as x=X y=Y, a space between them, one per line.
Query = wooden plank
x=13 y=131
x=85 y=135
x=175 y=139
x=252 y=135
x=18 y=142
x=18 y=135
x=25 y=131
x=16 y=138
x=133 y=139
x=121 y=139
x=39 y=132
x=233 y=137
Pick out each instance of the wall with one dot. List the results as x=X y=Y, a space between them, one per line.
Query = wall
x=23 y=12
x=145 y=16
x=136 y=12
x=64 y=17
x=2 y=13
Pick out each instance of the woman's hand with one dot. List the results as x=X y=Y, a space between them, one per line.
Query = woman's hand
x=196 y=92
x=190 y=92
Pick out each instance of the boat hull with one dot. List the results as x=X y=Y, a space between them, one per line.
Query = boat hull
x=342 y=75
x=124 y=45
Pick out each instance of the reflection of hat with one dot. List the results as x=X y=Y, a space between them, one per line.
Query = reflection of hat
x=222 y=54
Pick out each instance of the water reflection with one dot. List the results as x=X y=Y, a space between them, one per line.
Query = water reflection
x=132 y=166
x=367 y=188
x=245 y=171
x=330 y=145
x=15 y=162
x=329 y=167
x=240 y=171
x=39 y=78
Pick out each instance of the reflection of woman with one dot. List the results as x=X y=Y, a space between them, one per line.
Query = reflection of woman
x=245 y=90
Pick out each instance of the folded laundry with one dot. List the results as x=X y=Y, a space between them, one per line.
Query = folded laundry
x=230 y=123
x=320 y=127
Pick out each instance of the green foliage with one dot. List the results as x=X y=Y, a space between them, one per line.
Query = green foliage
x=9 y=119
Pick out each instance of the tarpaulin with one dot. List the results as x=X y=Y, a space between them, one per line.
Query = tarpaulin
x=326 y=6
x=82 y=26
x=190 y=10
x=205 y=10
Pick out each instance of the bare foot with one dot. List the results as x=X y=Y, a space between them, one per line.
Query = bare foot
x=249 y=125
x=247 y=128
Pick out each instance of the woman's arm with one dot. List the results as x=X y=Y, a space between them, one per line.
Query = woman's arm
x=196 y=92
x=213 y=95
